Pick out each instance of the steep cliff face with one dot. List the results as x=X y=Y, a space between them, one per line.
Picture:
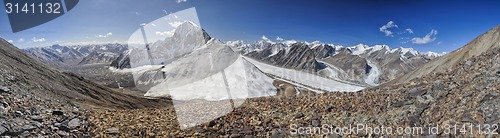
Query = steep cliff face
x=323 y=51
x=122 y=61
x=299 y=56
x=187 y=37
x=356 y=67
x=393 y=63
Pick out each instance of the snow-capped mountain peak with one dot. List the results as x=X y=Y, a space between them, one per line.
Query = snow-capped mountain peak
x=314 y=44
x=358 y=49
x=185 y=28
x=405 y=51
x=433 y=54
x=381 y=47
x=236 y=43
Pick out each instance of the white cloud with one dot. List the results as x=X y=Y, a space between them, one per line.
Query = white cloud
x=385 y=28
x=430 y=37
x=264 y=37
x=10 y=41
x=34 y=39
x=279 y=38
x=405 y=40
x=409 y=30
x=20 y=40
x=106 y=35
x=167 y=33
x=175 y=24
x=180 y=1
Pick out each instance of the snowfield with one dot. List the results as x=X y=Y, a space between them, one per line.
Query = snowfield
x=303 y=78
x=212 y=72
x=237 y=81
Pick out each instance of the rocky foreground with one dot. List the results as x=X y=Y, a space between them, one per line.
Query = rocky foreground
x=26 y=115
x=37 y=100
x=460 y=102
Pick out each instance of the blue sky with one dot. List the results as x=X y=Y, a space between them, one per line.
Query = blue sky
x=448 y=25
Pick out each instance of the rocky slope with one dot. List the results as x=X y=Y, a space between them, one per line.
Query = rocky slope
x=467 y=95
x=483 y=43
x=39 y=100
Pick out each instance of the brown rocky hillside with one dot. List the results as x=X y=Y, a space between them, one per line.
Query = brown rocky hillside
x=39 y=100
x=481 y=44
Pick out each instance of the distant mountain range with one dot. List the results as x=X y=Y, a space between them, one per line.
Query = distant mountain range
x=68 y=56
x=361 y=64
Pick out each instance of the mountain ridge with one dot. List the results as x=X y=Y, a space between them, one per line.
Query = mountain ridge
x=318 y=58
x=477 y=46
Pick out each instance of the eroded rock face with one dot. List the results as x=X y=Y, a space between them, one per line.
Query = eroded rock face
x=37 y=100
x=351 y=64
x=355 y=66
x=122 y=61
x=299 y=57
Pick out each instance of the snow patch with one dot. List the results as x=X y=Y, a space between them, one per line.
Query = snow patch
x=304 y=78
x=238 y=81
x=373 y=75
x=433 y=54
x=358 y=49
